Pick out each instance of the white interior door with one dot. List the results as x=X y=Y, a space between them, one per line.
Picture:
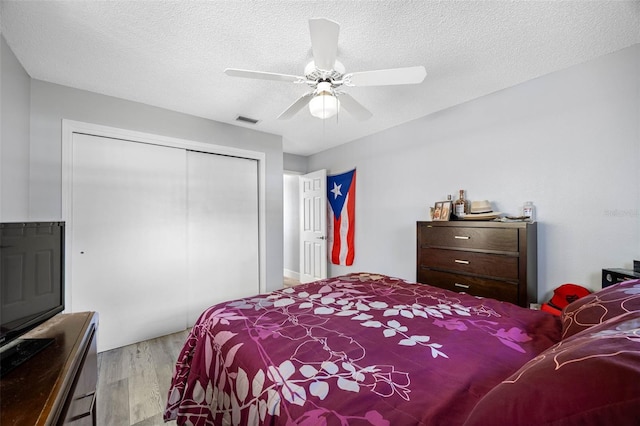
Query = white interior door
x=128 y=258
x=313 y=226
x=223 y=249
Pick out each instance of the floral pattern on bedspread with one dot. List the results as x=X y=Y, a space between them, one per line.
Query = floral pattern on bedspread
x=358 y=349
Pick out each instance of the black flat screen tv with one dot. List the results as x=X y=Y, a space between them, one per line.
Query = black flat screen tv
x=31 y=277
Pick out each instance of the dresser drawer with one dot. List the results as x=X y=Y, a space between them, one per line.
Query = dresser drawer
x=475 y=286
x=493 y=239
x=493 y=265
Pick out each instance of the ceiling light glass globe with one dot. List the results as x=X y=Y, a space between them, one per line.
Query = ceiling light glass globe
x=324 y=104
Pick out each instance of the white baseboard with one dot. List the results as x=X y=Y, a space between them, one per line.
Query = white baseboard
x=292 y=274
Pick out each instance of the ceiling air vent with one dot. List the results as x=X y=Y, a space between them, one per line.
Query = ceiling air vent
x=246 y=119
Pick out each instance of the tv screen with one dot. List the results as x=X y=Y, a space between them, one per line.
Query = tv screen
x=31 y=276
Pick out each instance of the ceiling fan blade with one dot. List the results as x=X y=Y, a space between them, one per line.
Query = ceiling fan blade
x=296 y=106
x=410 y=75
x=324 y=42
x=354 y=107
x=233 y=72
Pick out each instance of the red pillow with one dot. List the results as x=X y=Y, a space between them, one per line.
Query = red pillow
x=598 y=307
x=591 y=378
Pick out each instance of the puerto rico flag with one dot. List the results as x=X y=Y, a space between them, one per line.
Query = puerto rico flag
x=341 y=191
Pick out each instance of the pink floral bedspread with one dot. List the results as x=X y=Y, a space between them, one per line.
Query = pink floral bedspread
x=358 y=349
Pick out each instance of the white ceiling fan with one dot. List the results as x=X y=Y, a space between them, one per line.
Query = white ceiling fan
x=325 y=76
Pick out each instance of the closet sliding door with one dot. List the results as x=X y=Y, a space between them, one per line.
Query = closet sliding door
x=158 y=234
x=128 y=222
x=222 y=230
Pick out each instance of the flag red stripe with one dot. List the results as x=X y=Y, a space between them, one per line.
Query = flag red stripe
x=335 y=251
x=351 y=207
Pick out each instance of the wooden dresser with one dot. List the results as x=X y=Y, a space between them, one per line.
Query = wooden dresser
x=488 y=259
x=58 y=385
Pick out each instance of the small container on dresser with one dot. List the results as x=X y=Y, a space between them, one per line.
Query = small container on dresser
x=488 y=259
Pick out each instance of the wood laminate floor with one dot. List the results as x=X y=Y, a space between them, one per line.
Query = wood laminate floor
x=133 y=381
x=290 y=282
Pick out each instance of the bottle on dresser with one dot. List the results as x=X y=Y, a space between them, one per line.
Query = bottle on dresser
x=460 y=206
x=528 y=210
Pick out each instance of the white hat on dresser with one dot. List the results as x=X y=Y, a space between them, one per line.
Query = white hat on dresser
x=481 y=210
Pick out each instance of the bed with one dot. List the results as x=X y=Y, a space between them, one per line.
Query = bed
x=368 y=349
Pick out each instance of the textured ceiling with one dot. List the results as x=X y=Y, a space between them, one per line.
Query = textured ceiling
x=172 y=54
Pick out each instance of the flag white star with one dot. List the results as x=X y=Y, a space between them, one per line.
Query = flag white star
x=336 y=190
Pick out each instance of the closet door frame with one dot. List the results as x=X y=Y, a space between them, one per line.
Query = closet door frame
x=69 y=127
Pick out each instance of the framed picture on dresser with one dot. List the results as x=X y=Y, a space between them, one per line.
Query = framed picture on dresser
x=442 y=211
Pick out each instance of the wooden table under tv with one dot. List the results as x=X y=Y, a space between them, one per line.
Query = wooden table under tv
x=58 y=384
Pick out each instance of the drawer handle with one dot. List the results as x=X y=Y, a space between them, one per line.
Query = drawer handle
x=464 y=262
x=460 y=237
x=462 y=285
x=91 y=395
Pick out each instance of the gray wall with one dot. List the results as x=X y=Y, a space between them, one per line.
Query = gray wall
x=291 y=220
x=50 y=103
x=294 y=166
x=14 y=137
x=31 y=146
x=568 y=141
x=295 y=163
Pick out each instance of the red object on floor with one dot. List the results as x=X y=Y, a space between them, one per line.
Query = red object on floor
x=562 y=296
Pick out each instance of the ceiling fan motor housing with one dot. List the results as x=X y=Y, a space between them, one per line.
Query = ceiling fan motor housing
x=313 y=73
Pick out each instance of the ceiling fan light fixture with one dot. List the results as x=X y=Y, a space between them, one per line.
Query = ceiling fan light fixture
x=326 y=77
x=324 y=103
x=324 y=106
